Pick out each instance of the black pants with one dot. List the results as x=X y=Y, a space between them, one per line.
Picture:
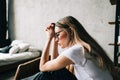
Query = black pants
x=62 y=74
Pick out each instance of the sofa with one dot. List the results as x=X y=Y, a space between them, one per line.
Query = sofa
x=16 y=53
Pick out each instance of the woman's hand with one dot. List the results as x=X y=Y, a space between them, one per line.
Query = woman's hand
x=50 y=30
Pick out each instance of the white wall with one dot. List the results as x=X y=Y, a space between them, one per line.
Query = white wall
x=32 y=16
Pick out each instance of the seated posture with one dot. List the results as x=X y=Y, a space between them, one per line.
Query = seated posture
x=80 y=50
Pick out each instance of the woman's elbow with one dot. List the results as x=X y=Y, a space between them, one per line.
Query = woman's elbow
x=41 y=68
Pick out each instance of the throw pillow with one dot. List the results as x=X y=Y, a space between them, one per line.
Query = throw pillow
x=23 y=47
x=14 y=50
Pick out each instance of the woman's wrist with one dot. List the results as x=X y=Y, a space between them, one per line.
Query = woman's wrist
x=49 y=38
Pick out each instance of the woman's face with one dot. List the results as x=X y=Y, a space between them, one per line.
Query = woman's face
x=61 y=37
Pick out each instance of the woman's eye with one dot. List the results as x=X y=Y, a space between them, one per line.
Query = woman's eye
x=57 y=34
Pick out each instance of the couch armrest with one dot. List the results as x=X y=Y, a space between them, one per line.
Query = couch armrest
x=27 y=69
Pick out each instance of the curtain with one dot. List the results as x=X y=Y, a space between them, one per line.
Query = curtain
x=3 y=24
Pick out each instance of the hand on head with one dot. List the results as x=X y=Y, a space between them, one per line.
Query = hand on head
x=51 y=26
x=50 y=30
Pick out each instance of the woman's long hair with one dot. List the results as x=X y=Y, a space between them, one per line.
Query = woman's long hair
x=77 y=32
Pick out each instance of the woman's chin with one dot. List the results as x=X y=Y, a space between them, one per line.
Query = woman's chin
x=62 y=46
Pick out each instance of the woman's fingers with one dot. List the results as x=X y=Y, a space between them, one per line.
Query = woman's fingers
x=52 y=25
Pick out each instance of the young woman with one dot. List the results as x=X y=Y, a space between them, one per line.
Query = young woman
x=88 y=59
x=81 y=50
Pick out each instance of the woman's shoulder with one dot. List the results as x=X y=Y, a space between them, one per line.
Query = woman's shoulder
x=75 y=53
x=76 y=49
x=73 y=47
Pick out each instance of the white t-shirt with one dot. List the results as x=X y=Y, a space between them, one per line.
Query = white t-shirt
x=85 y=69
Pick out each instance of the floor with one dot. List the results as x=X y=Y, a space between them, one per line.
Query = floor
x=8 y=75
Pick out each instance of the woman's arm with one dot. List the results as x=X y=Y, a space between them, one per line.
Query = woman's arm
x=54 y=50
x=55 y=63
x=60 y=62
x=45 y=52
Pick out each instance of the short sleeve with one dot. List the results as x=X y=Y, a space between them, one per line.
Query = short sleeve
x=75 y=54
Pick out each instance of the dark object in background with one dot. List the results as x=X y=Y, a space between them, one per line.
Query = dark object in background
x=113 y=2
x=3 y=25
x=4 y=41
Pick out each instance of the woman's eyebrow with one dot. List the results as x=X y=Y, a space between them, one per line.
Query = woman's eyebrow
x=59 y=31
